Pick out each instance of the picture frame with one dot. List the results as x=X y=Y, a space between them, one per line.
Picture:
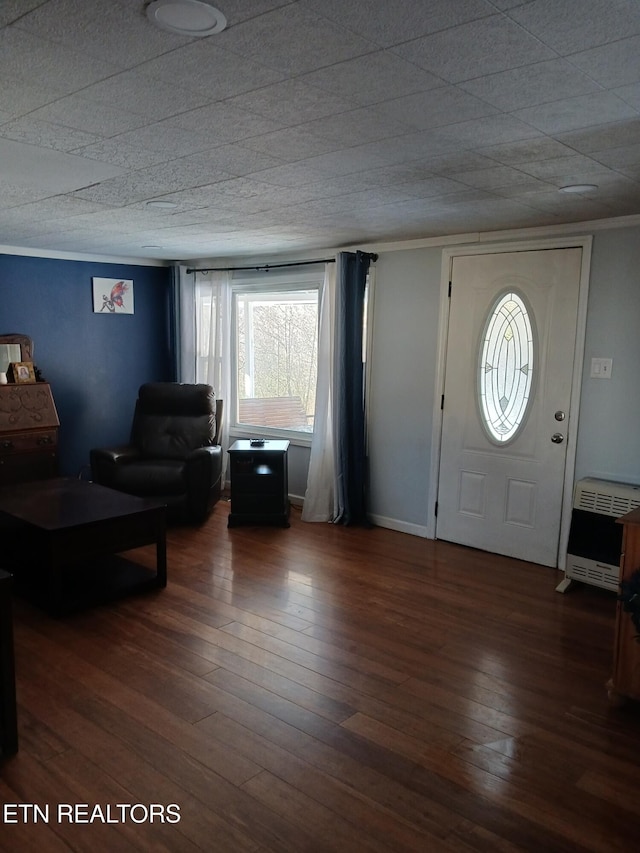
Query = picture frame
x=21 y=373
x=112 y=295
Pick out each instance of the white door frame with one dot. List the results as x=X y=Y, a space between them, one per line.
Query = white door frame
x=584 y=242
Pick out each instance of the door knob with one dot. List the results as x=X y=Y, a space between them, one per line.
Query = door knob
x=557 y=438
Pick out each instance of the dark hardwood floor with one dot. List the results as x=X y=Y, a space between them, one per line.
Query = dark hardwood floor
x=322 y=688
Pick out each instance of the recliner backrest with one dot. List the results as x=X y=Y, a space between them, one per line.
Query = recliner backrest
x=172 y=419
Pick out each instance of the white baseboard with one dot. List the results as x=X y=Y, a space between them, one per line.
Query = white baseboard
x=401 y=526
x=381 y=521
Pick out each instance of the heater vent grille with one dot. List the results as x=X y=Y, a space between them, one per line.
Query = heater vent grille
x=605 y=497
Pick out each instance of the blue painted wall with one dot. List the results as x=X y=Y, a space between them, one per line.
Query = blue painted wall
x=95 y=363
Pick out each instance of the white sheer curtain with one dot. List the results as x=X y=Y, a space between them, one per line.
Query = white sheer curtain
x=320 y=496
x=212 y=310
x=184 y=323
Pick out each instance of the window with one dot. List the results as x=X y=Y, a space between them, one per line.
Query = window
x=275 y=351
x=505 y=367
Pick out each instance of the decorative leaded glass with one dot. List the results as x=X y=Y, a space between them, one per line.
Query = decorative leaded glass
x=505 y=367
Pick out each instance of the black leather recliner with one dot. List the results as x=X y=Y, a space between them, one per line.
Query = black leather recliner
x=173 y=453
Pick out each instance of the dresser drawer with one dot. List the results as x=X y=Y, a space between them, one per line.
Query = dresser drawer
x=25 y=442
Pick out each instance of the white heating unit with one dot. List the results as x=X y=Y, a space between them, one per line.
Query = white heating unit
x=595 y=540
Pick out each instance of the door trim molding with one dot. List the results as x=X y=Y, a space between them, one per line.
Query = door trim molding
x=584 y=242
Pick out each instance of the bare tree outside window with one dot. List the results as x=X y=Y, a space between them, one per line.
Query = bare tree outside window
x=277 y=358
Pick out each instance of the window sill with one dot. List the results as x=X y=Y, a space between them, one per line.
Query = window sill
x=297 y=439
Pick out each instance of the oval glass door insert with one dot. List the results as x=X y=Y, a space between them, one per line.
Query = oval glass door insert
x=505 y=367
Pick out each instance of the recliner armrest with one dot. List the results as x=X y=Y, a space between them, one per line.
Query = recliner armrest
x=114 y=455
x=203 y=470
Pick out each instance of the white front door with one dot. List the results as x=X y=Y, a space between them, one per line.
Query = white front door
x=507 y=395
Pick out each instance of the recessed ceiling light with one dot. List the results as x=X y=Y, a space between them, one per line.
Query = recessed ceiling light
x=161 y=205
x=186 y=17
x=579 y=188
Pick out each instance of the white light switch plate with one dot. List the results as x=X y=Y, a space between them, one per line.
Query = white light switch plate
x=601 y=368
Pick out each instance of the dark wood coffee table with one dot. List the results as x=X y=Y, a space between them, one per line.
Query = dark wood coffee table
x=61 y=539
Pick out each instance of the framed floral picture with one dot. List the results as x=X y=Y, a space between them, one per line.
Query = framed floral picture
x=112 y=295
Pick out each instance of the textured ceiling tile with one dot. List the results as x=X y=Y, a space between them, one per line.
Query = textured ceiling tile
x=531 y=84
x=81 y=114
x=205 y=67
x=55 y=208
x=32 y=58
x=292 y=174
x=474 y=50
x=145 y=184
x=343 y=162
x=46 y=135
x=291 y=103
x=435 y=186
x=505 y=5
x=568 y=28
x=120 y=154
x=241 y=10
x=522 y=189
x=526 y=151
x=490 y=131
x=630 y=94
x=310 y=123
x=11 y=10
x=494 y=178
x=436 y=108
x=298 y=40
x=18 y=96
x=13 y=196
x=292 y=143
x=105 y=30
x=388 y=24
x=574 y=113
x=449 y=164
x=234 y=159
x=222 y=123
x=166 y=139
x=615 y=158
x=373 y=78
x=598 y=138
x=140 y=94
x=368 y=124
x=560 y=166
x=612 y=65
x=50 y=171
x=417 y=146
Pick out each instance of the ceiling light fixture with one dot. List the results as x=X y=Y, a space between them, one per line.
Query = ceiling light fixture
x=193 y=18
x=579 y=188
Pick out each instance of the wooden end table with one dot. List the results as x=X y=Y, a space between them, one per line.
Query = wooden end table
x=259 y=483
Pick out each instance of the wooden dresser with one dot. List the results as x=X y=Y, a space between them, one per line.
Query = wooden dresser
x=625 y=681
x=28 y=433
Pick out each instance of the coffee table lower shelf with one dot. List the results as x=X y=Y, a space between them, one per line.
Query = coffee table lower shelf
x=81 y=585
x=66 y=542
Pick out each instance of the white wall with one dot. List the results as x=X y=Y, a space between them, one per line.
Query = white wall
x=403 y=372
x=404 y=363
x=402 y=389
x=609 y=429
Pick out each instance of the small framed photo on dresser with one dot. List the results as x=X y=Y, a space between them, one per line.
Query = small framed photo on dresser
x=21 y=372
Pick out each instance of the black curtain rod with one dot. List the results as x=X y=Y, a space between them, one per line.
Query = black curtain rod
x=267 y=267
